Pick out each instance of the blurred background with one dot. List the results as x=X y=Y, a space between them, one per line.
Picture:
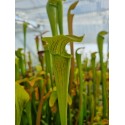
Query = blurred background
x=91 y=16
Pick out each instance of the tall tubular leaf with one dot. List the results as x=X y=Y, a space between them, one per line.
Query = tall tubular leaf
x=60 y=15
x=81 y=108
x=70 y=16
x=93 y=58
x=61 y=66
x=100 y=40
x=70 y=30
x=21 y=60
x=52 y=15
x=55 y=14
x=24 y=33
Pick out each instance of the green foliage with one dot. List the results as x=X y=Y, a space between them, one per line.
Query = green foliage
x=55 y=15
x=26 y=118
x=88 y=99
x=21 y=100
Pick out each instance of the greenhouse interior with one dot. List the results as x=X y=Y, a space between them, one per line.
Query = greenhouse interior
x=61 y=62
